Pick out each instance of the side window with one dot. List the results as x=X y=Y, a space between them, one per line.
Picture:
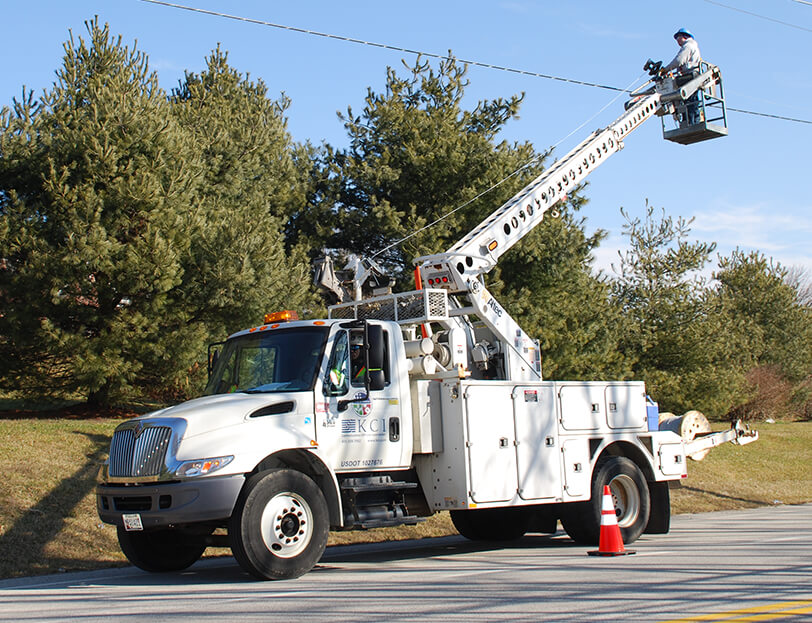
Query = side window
x=358 y=370
x=337 y=382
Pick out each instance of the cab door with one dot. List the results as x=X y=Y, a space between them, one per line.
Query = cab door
x=356 y=431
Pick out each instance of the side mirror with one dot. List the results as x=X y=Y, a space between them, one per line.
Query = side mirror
x=377 y=380
x=374 y=339
x=214 y=355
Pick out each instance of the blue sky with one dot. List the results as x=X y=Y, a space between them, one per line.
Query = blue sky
x=752 y=189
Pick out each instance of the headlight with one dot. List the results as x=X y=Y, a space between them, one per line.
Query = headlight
x=201 y=467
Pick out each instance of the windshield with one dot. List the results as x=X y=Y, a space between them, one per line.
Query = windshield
x=283 y=360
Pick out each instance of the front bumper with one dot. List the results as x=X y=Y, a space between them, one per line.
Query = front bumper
x=163 y=504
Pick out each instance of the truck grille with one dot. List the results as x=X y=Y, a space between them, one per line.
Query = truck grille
x=134 y=455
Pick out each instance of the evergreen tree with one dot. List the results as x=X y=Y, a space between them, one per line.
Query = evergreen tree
x=252 y=182
x=96 y=186
x=673 y=332
x=548 y=282
x=415 y=155
x=772 y=322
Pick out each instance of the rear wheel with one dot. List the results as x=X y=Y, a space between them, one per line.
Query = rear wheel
x=279 y=527
x=169 y=549
x=491 y=524
x=630 y=496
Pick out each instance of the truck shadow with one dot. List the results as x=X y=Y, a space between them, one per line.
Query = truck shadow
x=436 y=546
x=224 y=570
x=24 y=543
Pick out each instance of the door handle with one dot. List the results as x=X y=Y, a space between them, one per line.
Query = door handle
x=394 y=429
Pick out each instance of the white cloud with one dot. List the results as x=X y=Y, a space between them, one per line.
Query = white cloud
x=606 y=255
x=782 y=235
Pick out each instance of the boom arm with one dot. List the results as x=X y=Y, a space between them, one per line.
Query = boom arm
x=502 y=344
x=460 y=269
x=478 y=252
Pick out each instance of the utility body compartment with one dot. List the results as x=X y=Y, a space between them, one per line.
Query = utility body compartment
x=497 y=443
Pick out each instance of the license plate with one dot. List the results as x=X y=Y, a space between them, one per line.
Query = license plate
x=132 y=522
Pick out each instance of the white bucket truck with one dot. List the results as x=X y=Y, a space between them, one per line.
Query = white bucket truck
x=397 y=407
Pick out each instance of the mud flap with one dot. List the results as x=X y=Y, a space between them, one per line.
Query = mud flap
x=659 y=520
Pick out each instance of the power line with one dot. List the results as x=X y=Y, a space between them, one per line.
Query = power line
x=381 y=45
x=394 y=48
x=764 y=114
x=769 y=19
x=803 y=2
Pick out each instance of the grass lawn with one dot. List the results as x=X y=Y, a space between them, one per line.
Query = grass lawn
x=48 y=520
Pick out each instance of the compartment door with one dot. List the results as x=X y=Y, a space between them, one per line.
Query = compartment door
x=490 y=443
x=537 y=450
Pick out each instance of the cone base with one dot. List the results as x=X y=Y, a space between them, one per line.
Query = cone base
x=597 y=552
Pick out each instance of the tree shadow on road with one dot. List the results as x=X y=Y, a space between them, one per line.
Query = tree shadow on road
x=23 y=545
x=723 y=496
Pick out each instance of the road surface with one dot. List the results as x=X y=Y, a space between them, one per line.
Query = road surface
x=752 y=565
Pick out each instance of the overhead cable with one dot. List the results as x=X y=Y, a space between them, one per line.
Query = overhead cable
x=382 y=45
x=764 y=114
x=394 y=48
x=769 y=19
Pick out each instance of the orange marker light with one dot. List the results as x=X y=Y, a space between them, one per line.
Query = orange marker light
x=281 y=316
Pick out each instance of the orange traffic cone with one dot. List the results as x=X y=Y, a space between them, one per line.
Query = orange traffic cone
x=611 y=543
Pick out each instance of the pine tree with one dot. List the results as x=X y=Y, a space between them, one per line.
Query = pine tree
x=672 y=331
x=96 y=187
x=416 y=155
x=252 y=182
x=778 y=325
x=548 y=282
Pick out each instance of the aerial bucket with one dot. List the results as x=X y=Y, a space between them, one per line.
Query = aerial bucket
x=699 y=112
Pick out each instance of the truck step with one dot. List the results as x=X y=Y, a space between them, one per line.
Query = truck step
x=358 y=485
x=385 y=523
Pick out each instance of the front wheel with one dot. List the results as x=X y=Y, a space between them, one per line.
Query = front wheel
x=630 y=496
x=168 y=549
x=279 y=527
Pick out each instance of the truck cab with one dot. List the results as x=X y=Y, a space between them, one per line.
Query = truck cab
x=323 y=397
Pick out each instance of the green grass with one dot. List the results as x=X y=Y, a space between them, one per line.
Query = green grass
x=773 y=470
x=48 y=518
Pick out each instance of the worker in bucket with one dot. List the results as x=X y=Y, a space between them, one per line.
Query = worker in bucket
x=685 y=63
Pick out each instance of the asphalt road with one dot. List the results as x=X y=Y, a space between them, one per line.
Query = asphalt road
x=753 y=565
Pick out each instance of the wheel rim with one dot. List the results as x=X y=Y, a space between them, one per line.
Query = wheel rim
x=287 y=525
x=626 y=499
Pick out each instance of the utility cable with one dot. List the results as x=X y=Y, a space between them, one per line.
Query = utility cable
x=383 y=45
x=769 y=19
x=769 y=116
x=448 y=57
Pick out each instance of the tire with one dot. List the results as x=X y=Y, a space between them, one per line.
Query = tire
x=630 y=494
x=157 y=551
x=491 y=524
x=279 y=527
